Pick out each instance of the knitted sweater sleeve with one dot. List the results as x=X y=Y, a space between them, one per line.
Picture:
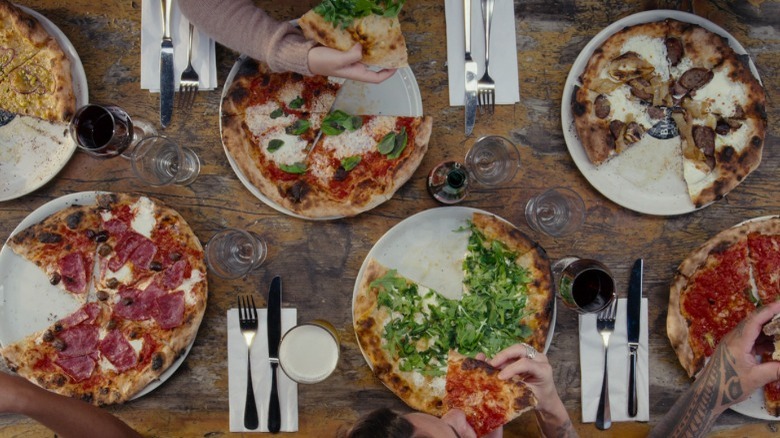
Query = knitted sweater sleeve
x=245 y=28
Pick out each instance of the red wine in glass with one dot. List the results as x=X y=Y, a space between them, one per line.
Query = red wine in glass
x=103 y=131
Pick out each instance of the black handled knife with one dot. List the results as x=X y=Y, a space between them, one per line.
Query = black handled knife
x=633 y=316
x=274 y=335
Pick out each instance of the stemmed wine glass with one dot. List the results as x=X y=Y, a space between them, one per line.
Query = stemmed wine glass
x=106 y=130
x=233 y=253
x=160 y=161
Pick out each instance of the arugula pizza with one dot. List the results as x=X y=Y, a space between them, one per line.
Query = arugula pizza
x=406 y=330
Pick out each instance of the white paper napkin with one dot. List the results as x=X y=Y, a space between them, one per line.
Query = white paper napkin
x=503 y=49
x=204 y=59
x=261 y=375
x=592 y=367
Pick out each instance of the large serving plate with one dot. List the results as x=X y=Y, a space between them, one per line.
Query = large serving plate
x=29 y=303
x=646 y=178
x=397 y=96
x=33 y=152
x=429 y=249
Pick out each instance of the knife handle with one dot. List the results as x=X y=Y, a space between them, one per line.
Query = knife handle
x=250 y=408
x=166 y=15
x=467 y=24
x=274 y=413
x=632 y=400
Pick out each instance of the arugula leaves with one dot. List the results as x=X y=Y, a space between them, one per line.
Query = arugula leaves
x=343 y=12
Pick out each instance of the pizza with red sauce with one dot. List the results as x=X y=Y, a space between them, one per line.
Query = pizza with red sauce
x=317 y=163
x=719 y=284
x=473 y=386
x=137 y=269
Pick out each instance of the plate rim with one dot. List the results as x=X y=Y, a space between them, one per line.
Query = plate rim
x=609 y=188
x=45 y=210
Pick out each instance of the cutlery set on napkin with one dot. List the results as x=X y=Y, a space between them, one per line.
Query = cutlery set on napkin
x=627 y=359
x=164 y=42
x=466 y=54
x=276 y=394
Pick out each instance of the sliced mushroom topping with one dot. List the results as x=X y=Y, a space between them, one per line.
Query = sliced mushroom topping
x=634 y=132
x=629 y=66
x=695 y=78
x=602 y=106
x=641 y=88
x=724 y=126
x=674 y=50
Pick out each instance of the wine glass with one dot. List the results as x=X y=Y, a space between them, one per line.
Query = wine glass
x=106 y=130
x=493 y=160
x=448 y=182
x=160 y=161
x=233 y=253
x=584 y=285
x=557 y=211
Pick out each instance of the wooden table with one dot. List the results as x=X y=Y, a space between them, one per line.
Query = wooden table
x=320 y=260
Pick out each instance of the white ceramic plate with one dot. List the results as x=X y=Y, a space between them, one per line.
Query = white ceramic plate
x=397 y=96
x=29 y=303
x=428 y=249
x=647 y=177
x=29 y=155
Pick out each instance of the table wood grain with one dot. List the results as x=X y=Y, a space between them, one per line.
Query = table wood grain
x=320 y=260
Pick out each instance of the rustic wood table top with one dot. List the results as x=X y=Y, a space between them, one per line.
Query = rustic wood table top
x=320 y=260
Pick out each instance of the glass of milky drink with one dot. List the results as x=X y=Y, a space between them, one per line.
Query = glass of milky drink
x=309 y=352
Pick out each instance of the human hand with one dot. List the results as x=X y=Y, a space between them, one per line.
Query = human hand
x=331 y=62
x=534 y=369
x=8 y=396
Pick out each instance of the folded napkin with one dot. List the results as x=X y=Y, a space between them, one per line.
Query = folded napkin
x=261 y=375
x=503 y=49
x=592 y=368
x=204 y=58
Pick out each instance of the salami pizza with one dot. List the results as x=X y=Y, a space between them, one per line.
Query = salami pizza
x=719 y=284
x=406 y=330
x=137 y=271
x=678 y=82
x=313 y=162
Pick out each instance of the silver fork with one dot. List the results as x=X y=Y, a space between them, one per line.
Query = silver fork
x=247 y=320
x=486 y=87
x=605 y=324
x=188 y=86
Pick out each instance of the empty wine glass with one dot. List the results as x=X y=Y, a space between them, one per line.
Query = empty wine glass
x=557 y=211
x=233 y=253
x=106 y=131
x=160 y=161
x=493 y=160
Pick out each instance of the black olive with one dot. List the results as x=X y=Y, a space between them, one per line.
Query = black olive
x=48 y=336
x=174 y=256
x=90 y=234
x=112 y=283
x=156 y=266
x=102 y=295
x=47 y=237
x=101 y=236
x=55 y=278
x=58 y=327
x=104 y=250
x=73 y=220
x=59 y=344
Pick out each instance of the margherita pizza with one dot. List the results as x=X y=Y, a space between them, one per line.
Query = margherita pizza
x=406 y=330
x=651 y=81
x=473 y=387
x=138 y=271
x=719 y=284
x=318 y=164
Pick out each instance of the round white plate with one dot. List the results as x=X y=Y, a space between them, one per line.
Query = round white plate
x=642 y=179
x=29 y=303
x=33 y=152
x=397 y=96
x=428 y=248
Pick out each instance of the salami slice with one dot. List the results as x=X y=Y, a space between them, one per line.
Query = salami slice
x=115 y=347
x=78 y=368
x=169 y=310
x=174 y=274
x=73 y=272
x=79 y=340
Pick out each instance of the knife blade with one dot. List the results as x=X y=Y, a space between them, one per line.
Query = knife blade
x=274 y=327
x=166 y=66
x=470 y=67
x=633 y=317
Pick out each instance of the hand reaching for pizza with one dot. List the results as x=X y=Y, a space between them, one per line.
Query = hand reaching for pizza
x=331 y=62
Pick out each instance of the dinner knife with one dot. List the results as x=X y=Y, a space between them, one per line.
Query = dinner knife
x=633 y=316
x=274 y=336
x=470 y=98
x=166 y=66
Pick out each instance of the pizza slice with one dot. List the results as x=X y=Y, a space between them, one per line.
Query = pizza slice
x=473 y=386
x=63 y=245
x=772 y=389
x=373 y=24
x=764 y=250
x=21 y=37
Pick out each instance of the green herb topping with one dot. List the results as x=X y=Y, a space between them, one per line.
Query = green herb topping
x=297 y=103
x=349 y=163
x=298 y=127
x=275 y=114
x=274 y=145
x=297 y=168
x=343 y=12
x=339 y=121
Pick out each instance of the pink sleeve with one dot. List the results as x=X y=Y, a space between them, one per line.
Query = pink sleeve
x=245 y=28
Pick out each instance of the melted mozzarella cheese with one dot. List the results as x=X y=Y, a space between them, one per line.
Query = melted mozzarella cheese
x=143 y=216
x=106 y=365
x=292 y=151
x=137 y=345
x=624 y=105
x=652 y=50
x=258 y=120
x=739 y=139
x=722 y=94
x=187 y=285
x=124 y=274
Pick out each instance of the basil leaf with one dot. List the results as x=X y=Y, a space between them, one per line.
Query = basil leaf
x=387 y=144
x=339 y=121
x=274 y=145
x=349 y=163
x=298 y=127
x=399 y=145
x=297 y=168
x=297 y=103
x=277 y=113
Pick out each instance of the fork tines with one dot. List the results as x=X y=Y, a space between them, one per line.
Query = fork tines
x=188 y=85
x=247 y=311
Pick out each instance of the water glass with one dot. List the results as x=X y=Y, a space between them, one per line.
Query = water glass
x=556 y=212
x=159 y=161
x=233 y=253
x=493 y=160
x=584 y=285
x=309 y=352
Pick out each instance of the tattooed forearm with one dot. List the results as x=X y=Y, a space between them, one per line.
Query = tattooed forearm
x=555 y=428
x=696 y=410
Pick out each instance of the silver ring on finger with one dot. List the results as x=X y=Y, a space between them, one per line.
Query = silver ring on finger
x=530 y=351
